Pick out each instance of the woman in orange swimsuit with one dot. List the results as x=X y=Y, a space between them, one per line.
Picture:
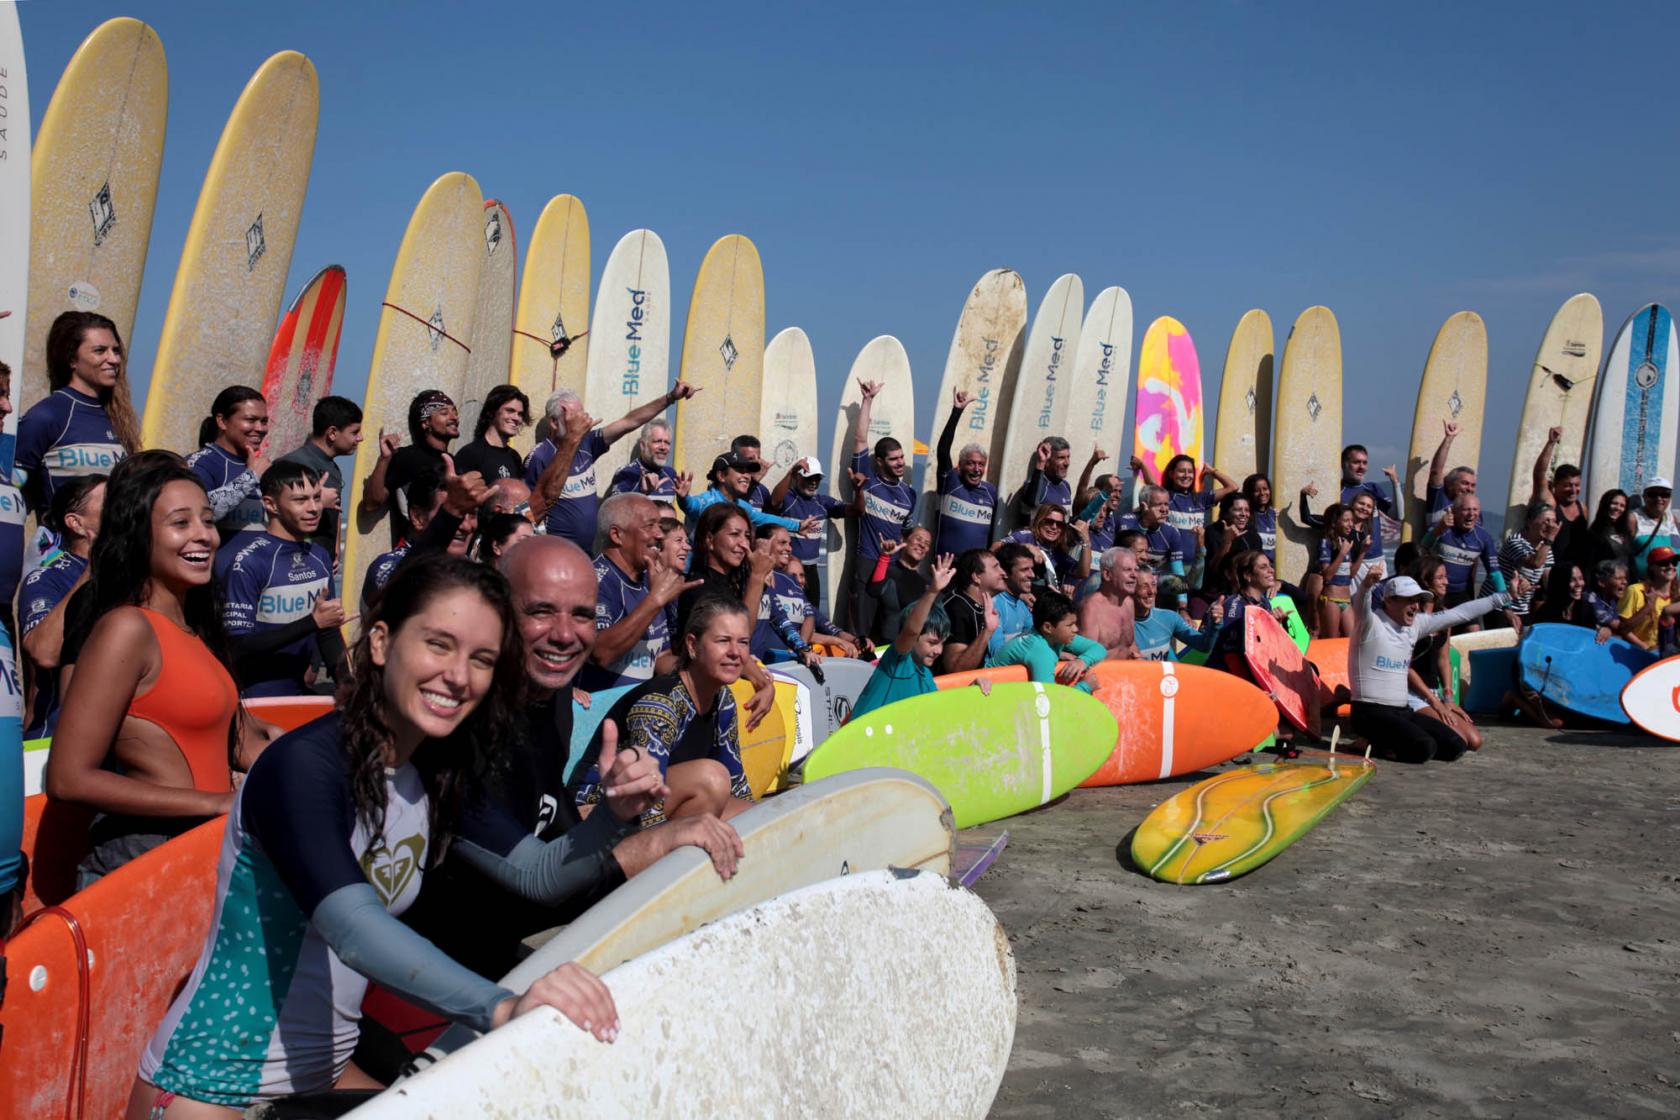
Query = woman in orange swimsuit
x=147 y=734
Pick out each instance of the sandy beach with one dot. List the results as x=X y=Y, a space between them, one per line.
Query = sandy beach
x=1495 y=937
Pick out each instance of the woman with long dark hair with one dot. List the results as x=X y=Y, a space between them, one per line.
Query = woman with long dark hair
x=498 y=532
x=86 y=423
x=1611 y=534
x=227 y=460
x=145 y=733
x=1257 y=488
x=331 y=837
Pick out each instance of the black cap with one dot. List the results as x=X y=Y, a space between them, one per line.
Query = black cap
x=733 y=463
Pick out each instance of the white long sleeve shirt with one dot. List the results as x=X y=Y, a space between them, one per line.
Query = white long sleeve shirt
x=1381 y=650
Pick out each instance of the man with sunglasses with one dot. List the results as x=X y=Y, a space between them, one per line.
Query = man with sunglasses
x=1648 y=606
x=1654 y=526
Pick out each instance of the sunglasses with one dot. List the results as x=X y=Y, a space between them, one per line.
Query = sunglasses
x=1056 y=521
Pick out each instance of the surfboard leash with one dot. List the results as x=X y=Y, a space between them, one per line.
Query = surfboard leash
x=557 y=347
x=427 y=323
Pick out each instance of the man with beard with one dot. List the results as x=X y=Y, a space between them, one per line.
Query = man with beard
x=970 y=608
x=883 y=501
x=967 y=502
x=466 y=915
x=649 y=471
x=432 y=424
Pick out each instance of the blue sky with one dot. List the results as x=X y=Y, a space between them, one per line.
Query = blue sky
x=1396 y=164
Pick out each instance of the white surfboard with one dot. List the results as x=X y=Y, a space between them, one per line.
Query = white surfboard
x=1560 y=393
x=984 y=358
x=1636 y=413
x=853 y=822
x=894 y=414
x=629 y=339
x=1101 y=381
x=830 y=700
x=787 y=424
x=876 y=994
x=1046 y=365
x=492 y=339
x=14 y=216
x=1652 y=699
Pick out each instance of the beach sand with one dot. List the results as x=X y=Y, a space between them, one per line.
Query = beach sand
x=1494 y=937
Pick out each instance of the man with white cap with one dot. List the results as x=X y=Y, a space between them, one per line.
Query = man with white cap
x=1654 y=526
x=799 y=496
x=1387 y=625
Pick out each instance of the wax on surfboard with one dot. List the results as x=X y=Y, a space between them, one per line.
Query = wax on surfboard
x=1307 y=433
x=1095 y=401
x=550 y=345
x=1454 y=388
x=421 y=344
x=851 y=823
x=14 y=219
x=630 y=350
x=723 y=354
x=1038 y=408
x=787 y=420
x=936 y=1046
x=492 y=337
x=1242 y=442
x=1234 y=822
x=893 y=414
x=94 y=179
x=1168 y=419
x=1560 y=394
x=1176 y=719
x=301 y=360
x=232 y=275
x=983 y=361
x=992 y=756
x=1637 y=409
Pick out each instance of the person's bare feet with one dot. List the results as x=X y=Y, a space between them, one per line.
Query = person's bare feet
x=1530 y=706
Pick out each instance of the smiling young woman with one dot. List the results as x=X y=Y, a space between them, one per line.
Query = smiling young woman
x=332 y=836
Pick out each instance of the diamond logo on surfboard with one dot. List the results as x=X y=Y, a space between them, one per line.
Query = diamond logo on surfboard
x=1454 y=403
x=1314 y=408
x=729 y=352
x=493 y=232
x=104 y=215
x=255 y=246
x=1250 y=400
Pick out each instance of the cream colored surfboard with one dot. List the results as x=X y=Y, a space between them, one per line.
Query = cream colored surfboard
x=1039 y=407
x=1560 y=394
x=14 y=217
x=983 y=361
x=1307 y=445
x=787 y=418
x=882 y=359
x=630 y=355
x=853 y=822
x=881 y=993
x=492 y=339
x=551 y=324
x=1242 y=441
x=1454 y=387
x=1101 y=380
x=95 y=175
x=232 y=276
x=723 y=355
x=421 y=343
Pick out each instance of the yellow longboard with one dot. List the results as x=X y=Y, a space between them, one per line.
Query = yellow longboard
x=723 y=355
x=93 y=182
x=1307 y=435
x=421 y=344
x=767 y=749
x=1242 y=441
x=1233 y=822
x=1454 y=387
x=232 y=275
x=492 y=340
x=551 y=326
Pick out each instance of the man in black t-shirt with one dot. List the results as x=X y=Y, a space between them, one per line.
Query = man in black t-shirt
x=505 y=414
x=432 y=424
x=968 y=604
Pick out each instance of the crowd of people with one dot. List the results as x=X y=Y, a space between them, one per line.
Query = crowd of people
x=162 y=589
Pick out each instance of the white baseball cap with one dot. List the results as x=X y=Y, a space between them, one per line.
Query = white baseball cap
x=1658 y=483
x=1405 y=587
x=809 y=466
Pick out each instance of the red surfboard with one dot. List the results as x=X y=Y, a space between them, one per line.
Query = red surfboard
x=300 y=363
x=1280 y=668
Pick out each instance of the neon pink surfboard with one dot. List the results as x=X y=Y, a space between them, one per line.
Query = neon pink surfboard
x=1169 y=397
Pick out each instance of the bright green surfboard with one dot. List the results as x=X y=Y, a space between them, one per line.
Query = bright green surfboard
x=990 y=756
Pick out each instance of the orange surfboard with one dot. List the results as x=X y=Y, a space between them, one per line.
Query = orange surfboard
x=1280 y=668
x=997 y=675
x=142 y=928
x=1177 y=719
x=1330 y=657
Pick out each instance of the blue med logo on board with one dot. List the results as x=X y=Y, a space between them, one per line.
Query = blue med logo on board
x=1647 y=382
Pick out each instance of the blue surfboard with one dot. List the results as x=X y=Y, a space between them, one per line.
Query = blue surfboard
x=586 y=720
x=1569 y=668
